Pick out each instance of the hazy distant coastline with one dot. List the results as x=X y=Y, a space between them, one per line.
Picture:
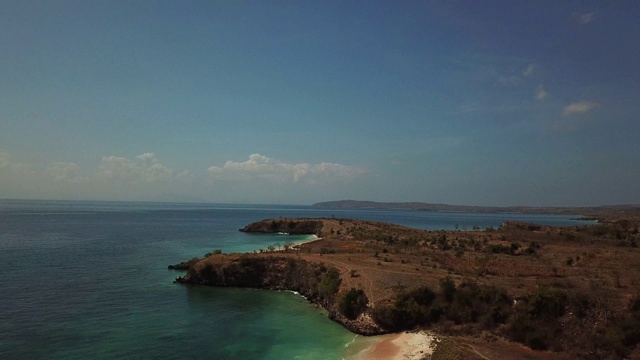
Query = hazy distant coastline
x=420 y=206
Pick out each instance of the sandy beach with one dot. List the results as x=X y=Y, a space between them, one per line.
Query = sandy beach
x=404 y=346
x=298 y=245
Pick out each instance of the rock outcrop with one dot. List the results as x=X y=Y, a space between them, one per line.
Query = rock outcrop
x=289 y=226
x=315 y=281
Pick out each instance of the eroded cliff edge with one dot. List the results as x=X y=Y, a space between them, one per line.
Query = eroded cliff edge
x=317 y=282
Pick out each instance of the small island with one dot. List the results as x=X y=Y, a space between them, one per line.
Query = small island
x=519 y=291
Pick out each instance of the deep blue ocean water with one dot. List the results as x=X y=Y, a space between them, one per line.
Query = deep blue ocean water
x=89 y=280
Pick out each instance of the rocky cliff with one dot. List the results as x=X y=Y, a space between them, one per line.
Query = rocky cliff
x=289 y=226
x=315 y=281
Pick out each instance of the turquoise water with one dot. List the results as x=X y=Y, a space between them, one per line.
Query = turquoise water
x=90 y=280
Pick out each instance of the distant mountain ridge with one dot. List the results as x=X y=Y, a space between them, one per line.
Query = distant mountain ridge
x=420 y=206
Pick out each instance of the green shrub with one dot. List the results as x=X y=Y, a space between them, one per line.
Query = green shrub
x=473 y=303
x=448 y=288
x=353 y=303
x=422 y=296
x=536 y=334
x=546 y=303
x=409 y=310
x=329 y=284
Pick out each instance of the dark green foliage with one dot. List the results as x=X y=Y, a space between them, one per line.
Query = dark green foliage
x=448 y=288
x=545 y=303
x=473 y=303
x=536 y=318
x=535 y=333
x=329 y=284
x=423 y=295
x=504 y=249
x=622 y=334
x=353 y=303
x=408 y=310
x=532 y=248
x=470 y=303
x=215 y=252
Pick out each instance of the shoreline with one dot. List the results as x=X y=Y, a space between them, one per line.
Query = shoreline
x=298 y=245
x=397 y=346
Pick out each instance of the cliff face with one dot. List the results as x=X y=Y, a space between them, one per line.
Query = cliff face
x=275 y=273
x=290 y=226
x=315 y=281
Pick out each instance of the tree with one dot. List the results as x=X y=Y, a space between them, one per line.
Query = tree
x=448 y=288
x=329 y=284
x=353 y=303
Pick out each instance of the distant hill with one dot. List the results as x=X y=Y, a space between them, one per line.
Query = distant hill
x=420 y=206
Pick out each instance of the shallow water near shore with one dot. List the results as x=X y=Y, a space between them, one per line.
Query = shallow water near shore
x=90 y=280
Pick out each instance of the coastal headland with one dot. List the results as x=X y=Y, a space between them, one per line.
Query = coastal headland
x=519 y=291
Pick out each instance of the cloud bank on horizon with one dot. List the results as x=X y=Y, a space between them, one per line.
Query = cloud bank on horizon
x=457 y=102
x=142 y=178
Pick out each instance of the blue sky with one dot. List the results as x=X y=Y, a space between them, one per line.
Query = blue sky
x=460 y=102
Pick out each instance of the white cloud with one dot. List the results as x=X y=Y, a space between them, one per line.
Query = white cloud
x=120 y=169
x=541 y=94
x=67 y=171
x=584 y=18
x=581 y=107
x=261 y=167
x=530 y=70
x=146 y=156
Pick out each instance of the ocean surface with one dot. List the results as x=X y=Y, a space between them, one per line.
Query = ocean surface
x=89 y=280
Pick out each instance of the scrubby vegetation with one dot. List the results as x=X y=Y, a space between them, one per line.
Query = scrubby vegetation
x=538 y=320
x=568 y=289
x=481 y=306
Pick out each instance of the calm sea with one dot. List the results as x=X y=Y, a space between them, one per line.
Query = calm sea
x=89 y=280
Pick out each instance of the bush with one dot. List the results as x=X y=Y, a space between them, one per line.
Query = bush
x=408 y=310
x=448 y=288
x=473 y=303
x=353 y=303
x=329 y=284
x=536 y=334
x=536 y=319
x=545 y=303
x=469 y=303
x=422 y=296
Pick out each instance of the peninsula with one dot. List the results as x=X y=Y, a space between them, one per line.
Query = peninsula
x=519 y=291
